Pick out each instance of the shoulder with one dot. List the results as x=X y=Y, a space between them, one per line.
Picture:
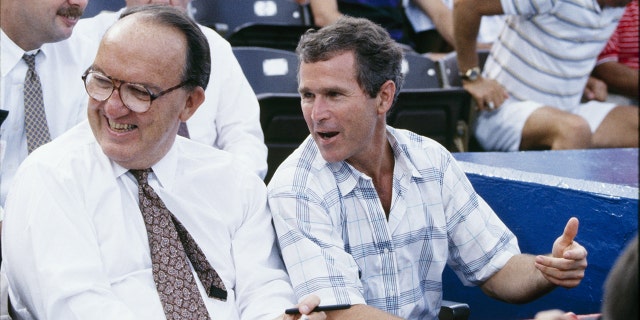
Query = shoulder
x=301 y=167
x=204 y=159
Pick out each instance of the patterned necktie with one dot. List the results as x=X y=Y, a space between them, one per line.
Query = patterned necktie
x=170 y=245
x=35 y=120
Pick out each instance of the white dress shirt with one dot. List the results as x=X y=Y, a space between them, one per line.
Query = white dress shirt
x=60 y=66
x=75 y=245
x=229 y=118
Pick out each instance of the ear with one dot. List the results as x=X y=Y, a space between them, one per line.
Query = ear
x=194 y=100
x=385 y=96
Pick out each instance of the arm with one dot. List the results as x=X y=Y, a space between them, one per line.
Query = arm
x=466 y=18
x=63 y=276
x=441 y=16
x=538 y=275
x=618 y=77
x=361 y=312
x=324 y=12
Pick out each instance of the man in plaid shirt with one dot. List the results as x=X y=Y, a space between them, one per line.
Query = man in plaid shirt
x=369 y=215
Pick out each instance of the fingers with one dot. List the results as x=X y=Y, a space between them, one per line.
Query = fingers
x=305 y=307
x=555 y=315
x=487 y=93
x=308 y=303
x=570 y=232
x=564 y=272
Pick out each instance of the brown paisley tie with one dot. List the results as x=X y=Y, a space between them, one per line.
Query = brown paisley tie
x=171 y=245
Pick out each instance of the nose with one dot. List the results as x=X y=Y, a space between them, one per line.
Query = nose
x=80 y=3
x=114 y=107
x=319 y=109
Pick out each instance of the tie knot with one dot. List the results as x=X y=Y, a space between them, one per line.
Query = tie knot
x=141 y=175
x=30 y=59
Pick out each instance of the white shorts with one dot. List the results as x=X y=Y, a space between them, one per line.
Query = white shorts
x=501 y=130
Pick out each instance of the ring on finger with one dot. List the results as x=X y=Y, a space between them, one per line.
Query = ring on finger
x=490 y=105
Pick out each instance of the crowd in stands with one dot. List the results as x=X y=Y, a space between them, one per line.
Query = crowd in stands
x=128 y=111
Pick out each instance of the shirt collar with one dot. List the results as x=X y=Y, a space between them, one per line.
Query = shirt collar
x=347 y=176
x=164 y=170
x=12 y=54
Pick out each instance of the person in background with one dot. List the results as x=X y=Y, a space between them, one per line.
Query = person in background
x=229 y=118
x=432 y=25
x=388 y=13
x=618 y=64
x=370 y=215
x=38 y=30
x=530 y=90
x=620 y=298
x=123 y=219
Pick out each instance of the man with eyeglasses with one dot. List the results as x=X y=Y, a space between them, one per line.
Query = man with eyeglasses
x=229 y=118
x=87 y=248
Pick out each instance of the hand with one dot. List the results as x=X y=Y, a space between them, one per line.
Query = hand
x=555 y=315
x=487 y=93
x=568 y=261
x=305 y=306
x=595 y=89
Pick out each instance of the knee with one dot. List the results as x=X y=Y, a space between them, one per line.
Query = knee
x=573 y=133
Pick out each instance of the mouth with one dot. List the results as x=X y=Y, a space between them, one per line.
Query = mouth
x=121 y=127
x=72 y=14
x=325 y=135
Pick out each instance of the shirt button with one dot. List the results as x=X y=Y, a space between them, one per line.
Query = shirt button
x=386 y=250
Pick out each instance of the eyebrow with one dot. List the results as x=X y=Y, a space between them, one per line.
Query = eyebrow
x=150 y=86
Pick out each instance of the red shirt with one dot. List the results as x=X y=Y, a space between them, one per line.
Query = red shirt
x=623 y=44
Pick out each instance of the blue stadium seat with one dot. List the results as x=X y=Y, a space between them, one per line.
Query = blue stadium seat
x=268 y=70
x=262 y=23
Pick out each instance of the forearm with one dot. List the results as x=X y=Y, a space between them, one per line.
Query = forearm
x=324 y=12
x=519 y=281
x=360 y=312
x=466 y=22
x=619 y=78
x=441 y=16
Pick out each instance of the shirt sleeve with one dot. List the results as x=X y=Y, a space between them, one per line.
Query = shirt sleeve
x=480 y=244
x=263 y=288
x=51 y=258
x=311 y=242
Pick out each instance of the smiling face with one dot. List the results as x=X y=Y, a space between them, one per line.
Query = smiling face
x=345 y=122
x=139 y=51
x=31 y=23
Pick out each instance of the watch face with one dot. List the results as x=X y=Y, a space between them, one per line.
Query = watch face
x=472 y=74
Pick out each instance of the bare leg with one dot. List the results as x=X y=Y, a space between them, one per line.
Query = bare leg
x=619 y=129
x=551 y=128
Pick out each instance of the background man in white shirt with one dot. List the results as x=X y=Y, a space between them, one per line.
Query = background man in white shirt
x=41 y=27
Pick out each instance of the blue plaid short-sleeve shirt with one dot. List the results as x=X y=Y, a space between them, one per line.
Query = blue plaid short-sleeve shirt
x=338 y=244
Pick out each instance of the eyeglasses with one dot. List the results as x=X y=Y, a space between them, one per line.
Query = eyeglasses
x=136 y=97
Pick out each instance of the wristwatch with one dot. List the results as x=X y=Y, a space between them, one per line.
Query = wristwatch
x=471 y=75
